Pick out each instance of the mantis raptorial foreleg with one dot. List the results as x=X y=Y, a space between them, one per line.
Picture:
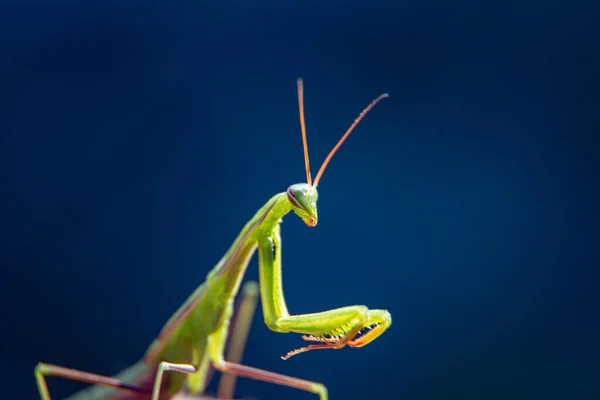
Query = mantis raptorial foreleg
x=352 y=325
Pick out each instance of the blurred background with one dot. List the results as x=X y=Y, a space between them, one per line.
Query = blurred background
x=138 y=137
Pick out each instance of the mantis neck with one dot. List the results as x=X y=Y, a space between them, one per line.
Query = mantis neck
x=279 y=206
x=232 y=267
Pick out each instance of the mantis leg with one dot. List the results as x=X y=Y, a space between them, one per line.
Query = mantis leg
x=42 y=370
x=241 y=327
x=165 y=367
x=352 y=325
x=238 y=336
x=217 y=344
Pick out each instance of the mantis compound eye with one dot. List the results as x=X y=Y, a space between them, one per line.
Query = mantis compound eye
x=298 y=195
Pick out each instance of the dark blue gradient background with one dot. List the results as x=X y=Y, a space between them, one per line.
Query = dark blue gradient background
x=137 y=138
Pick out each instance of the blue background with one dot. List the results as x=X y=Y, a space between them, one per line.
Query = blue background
x=137 y=138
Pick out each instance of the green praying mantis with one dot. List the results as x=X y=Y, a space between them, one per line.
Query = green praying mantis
x=194 y=338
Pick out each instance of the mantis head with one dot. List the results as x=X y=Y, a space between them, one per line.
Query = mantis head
x=303 y=196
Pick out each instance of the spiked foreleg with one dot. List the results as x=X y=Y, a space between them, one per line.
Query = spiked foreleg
x=352 y=325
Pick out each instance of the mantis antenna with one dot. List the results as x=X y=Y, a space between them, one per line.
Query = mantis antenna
x=303 y=127
x=339 y=143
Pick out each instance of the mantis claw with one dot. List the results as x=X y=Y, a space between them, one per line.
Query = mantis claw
x=353 y=336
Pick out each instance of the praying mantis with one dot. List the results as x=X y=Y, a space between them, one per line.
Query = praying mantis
x=194 y=338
